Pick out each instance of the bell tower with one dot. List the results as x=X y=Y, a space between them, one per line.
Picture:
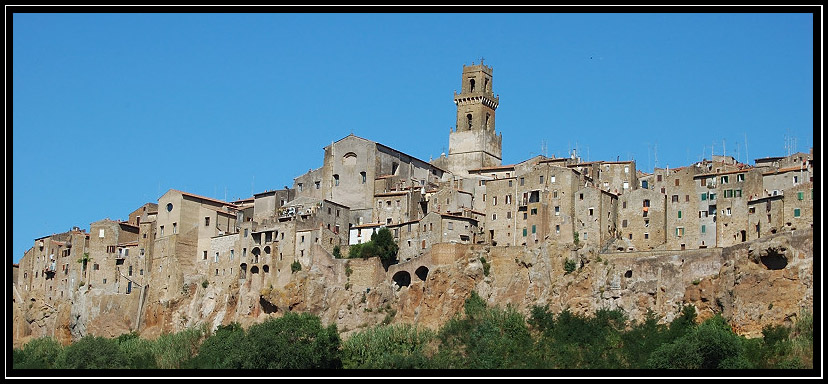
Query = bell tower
x=473 y=142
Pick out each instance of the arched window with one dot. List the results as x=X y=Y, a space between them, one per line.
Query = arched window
x=471 y=85
x=469 y=120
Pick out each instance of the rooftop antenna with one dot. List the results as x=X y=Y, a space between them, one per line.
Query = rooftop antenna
x=747 y=158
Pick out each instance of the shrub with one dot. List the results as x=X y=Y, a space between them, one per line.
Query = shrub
x=402 y=346
x=294 y=341
x=92 y=352
x=39 y=353
x=569 y=266
x=296 y=266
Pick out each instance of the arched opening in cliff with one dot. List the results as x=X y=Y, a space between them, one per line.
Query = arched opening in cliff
x=422 y=272
x=265 y=268
x=254 y=270
x=402 y=279
x=628 y=274
x=267 y=250
x=256 y=252
x=774 y=260
x=243 y=271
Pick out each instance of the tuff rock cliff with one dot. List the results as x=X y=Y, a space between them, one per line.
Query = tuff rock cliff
x=754 y=284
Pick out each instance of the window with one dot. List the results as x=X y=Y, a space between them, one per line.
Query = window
x=800 y=195
x=524 y=232
x=534 y=211
x=677 y=182
x=525 y=215
x=686 y=198
x=737 y=193
x=552 y=179
x=231 y=254
x=624 y=204
x=534 y=228
x=101 y=233
x=494 y=200
x=728 y=193
x=245 y=232
x=510 y=183
x=581 y=196
x=724 y=179
x=110 y=249
x=712 y=196
x=585 y=235
x=204 y=257
x=508 y=215
x=215 y=258
x=646 y=222
x=646 y=235
x=557 y=210
x=658 y=177
x=796 y=212
x=679 y=214
x=509 y=199
x=626 y=185
x=674 y=199
x=303 y=239
x=591 y=210
x=175 y=228
x=646 y=202
x=557 y=229
x=494 y=216
x=316 y=184
x=624 y=224
x=626 y=169
x=679 y=231
x=703 y=229
x=555 y=194
x=300 y=187
x=703 y=196
x=364 y=177
x=541 y=179
x=740 y=177
x=336 y=179
x=169 y=207
x=450 y=226
x=521 y=181
x=207 y=221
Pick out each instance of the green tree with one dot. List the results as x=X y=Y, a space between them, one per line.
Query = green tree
x=40 y=353
x=293 y=341
x=137 y=352
x=710 y=345
x=171 y=350
x=226 y=348
x=387 y=247
x=641 y=340
x=401 y=346
x=337 y=252
x=92 y=352
x=484 y=338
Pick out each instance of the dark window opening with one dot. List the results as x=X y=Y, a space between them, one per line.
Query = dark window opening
x=469 y=120
x=422 y=272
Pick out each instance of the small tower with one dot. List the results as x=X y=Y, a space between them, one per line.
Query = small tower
x=473 y=142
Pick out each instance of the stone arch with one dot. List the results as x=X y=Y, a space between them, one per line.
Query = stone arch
x=350 y=158
x=265 y=268
x=243 y=271
x=422 y=272
x=402 y=278
x=255 y=252
x=254 y=270
x=267 y=249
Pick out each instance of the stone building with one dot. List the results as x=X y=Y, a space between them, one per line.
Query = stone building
x=643 y=220
x=798 y=202
x=109 y=245
x=596 y=212
x=473 y=142
x=351 y=166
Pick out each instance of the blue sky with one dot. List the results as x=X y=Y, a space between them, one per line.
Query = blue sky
x=112 y=110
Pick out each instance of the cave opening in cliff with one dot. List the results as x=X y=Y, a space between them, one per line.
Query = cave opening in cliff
x=422 y=272
x=774 y=260
x=402 y=279
x=628 y=274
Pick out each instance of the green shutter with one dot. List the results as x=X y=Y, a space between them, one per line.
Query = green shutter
x=796 y=212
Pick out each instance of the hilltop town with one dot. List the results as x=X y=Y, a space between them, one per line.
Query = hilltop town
x=187 y=259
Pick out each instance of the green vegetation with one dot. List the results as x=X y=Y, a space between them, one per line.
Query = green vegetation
x=295 y=266
x=381 y=245
x=481 y=337
x=569 y=266
x=337 y=253
x=486 y=266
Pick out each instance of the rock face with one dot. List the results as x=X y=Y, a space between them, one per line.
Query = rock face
x=754 y=284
